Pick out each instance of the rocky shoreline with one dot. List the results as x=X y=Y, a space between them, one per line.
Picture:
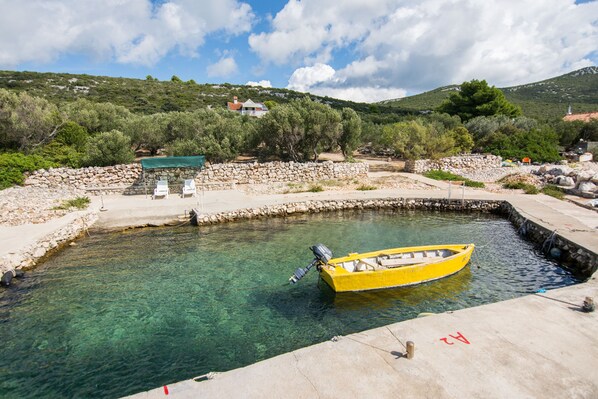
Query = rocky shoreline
x=30 y=255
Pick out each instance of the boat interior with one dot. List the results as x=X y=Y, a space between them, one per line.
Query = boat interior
x=386 y=261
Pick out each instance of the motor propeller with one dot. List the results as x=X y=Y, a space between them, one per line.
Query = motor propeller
x=322 y=256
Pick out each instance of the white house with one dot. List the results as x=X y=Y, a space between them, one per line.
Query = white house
x=247 y=108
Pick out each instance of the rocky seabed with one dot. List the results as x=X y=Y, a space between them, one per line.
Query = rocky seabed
x=30 y=256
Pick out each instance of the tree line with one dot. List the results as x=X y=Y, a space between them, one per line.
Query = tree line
x=36 y=133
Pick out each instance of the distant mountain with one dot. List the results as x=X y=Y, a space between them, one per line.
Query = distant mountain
x=548 y=99
x=151 y=96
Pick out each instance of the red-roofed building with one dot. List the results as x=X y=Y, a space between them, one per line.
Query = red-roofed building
x=248 y=107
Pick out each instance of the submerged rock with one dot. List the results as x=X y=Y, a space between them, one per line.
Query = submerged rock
x=6 y=278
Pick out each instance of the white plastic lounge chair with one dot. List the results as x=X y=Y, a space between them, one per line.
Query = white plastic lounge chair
x=189 y=188
x=161 y=189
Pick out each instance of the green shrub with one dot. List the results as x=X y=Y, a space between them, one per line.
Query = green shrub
x=366 y=187
x=109 y=148
x=539 y=144
x=315 y=188
x=442 y=175
x=78 y=203
x=473 y=183
x=448 y=176
x=13 y=165
x=526 y=187
x=553 y=191
x=61 y=154
x=72 y=134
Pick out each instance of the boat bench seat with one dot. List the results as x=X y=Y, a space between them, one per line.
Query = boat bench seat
x=408 y=261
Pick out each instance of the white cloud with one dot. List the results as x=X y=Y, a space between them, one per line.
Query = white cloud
x=135 y=31
x=261 y=83
x=304 y=78
x=365 y=94
x=421 y=44
x=323 y=80
x=225 y=67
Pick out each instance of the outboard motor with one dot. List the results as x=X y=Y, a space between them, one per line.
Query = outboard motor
x=322 y=255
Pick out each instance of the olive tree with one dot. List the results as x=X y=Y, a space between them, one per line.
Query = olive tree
x=147 y=131
x=27 y=122
x=300 y=130
x=351 y=132
x=415 y=140
x=97 y=117
x=282 y=130
x=109 y=148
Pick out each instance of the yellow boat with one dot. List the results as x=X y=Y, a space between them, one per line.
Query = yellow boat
x=387 y=268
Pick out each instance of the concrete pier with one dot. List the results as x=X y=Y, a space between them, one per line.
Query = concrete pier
x=537 y=346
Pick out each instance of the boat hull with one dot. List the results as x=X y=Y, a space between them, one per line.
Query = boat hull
x=341 y=280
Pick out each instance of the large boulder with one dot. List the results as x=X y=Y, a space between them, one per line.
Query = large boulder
x=585 y=175
x=586 y=186
x=565 y=181
x=559 y=170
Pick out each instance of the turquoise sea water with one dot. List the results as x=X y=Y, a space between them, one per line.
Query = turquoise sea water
x=124 y=312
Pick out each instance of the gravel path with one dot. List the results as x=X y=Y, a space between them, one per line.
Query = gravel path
x=22 y=205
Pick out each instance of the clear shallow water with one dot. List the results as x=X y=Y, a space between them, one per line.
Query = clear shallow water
x=125 y=312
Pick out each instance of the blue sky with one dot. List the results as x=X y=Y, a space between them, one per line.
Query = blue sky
x=352 y=49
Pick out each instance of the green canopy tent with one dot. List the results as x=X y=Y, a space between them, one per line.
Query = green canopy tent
x=192 y=162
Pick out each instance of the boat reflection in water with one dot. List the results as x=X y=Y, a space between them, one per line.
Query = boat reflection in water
x=450 y=288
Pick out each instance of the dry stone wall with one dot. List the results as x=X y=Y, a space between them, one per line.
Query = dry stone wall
x=85 y=178
x=128 y=179
x=454 y=164
x=282 y=172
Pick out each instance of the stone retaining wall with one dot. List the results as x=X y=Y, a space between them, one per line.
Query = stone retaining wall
x=128 y=179
x=582 y=261
x=454 y=164
x=335 y=205
x=282 y=172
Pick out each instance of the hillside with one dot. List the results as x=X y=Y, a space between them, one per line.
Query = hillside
x=151 y=96
x=544 y=100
